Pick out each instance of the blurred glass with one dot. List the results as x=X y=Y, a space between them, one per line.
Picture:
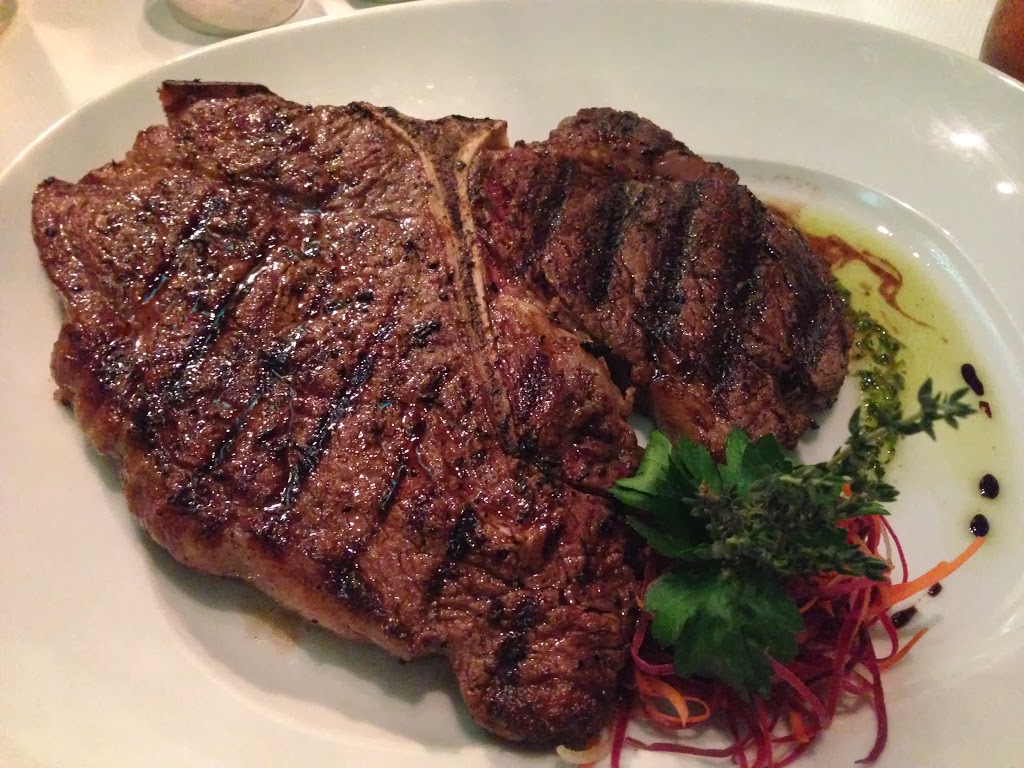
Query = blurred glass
x=1003 y=47
x=232 y=17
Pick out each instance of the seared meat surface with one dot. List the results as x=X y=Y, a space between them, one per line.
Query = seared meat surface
x=712 y=306
x=362 y=362
x=272 y=325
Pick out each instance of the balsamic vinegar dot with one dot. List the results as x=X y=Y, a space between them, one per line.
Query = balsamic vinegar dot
x=902 y=618
x=989 y=486
x=971 y=377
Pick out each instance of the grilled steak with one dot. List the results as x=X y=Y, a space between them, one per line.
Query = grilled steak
x=710 y=304
x=273 y=325
x=362 y=362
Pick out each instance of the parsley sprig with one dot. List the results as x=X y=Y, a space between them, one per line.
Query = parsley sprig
x=735 y=533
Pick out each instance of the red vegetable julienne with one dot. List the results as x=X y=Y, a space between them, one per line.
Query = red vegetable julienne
x=836 y=661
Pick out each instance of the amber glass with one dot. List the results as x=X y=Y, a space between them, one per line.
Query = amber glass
x=1003 y=47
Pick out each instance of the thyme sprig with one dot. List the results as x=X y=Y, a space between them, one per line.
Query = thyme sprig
x=860 y=453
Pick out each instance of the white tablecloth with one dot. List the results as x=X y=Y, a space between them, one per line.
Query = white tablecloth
x=58 y=54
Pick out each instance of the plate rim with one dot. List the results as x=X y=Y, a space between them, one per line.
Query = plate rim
x=411 y=7
x=295 y=29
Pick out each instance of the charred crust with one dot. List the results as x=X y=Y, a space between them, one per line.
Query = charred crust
x=391 y=491
x=552 y=538
x=423 y=331
x=464 y=536
x=512 y=651
x=595 y=348
x=344 y=580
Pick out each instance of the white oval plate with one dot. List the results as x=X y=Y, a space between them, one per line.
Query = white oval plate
x=112 y=655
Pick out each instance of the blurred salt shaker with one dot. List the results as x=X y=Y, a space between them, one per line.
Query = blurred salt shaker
x=233 y=17
x=1003 y=47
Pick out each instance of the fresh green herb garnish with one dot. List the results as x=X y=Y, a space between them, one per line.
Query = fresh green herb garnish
x=724 y=625
x=881 y=372
x=858 y=455
x=761 y=508
x=735 y=533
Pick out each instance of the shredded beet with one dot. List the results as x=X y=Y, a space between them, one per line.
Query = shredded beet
x=836 y=662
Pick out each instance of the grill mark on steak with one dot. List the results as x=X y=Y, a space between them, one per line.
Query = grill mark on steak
x=599 y=257
x=422 y=332
x=345 y=581
x=663 y=295
x=274 y=364
x=514 y=648
x=186 y=498
x=809 y=337
x=344 y=402
x=392 y=490
x=549 y=208
x=404 y=466
x=274 y=532
x=174 y=389
x=738 y=298
x=464 y=536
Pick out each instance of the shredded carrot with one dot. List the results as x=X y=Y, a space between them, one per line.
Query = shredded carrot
x=888 y=662
x=900 y=592
x=847 y=490
x=833 y=580
x=808 y=605
x=650 y=686
x=796 y=722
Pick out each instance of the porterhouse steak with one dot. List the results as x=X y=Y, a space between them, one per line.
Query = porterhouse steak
x=361 y=361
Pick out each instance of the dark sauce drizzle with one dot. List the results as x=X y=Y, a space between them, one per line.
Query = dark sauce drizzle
x=979 y=525
x=901 y=618
x=971 y=377
x=839 y=253
x=989 y=486
x=935 y=589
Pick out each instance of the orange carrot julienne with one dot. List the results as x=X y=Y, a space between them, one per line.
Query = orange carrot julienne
x=651 y=686
x=900 y=592
x=808 y=605
x=796 y=723
x=886 y=663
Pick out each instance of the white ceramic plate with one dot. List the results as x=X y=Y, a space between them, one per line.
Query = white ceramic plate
x=112 y=655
